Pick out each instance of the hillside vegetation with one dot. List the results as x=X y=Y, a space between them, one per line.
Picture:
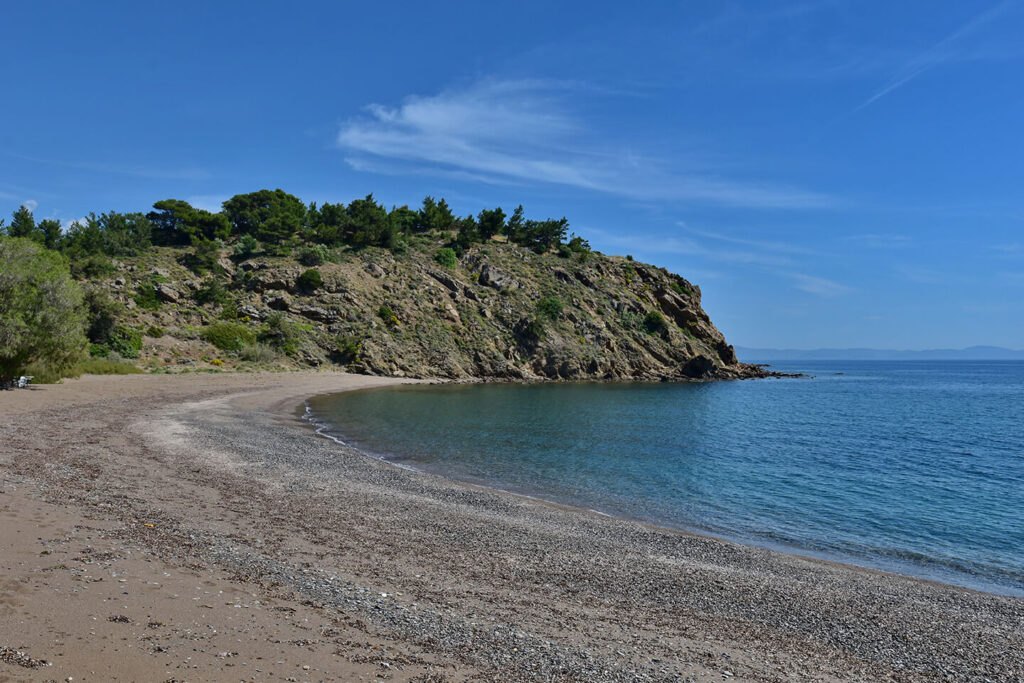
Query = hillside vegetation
x=270 y=283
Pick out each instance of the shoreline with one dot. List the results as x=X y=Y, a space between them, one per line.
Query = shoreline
x=305 y=416
x=196 y=475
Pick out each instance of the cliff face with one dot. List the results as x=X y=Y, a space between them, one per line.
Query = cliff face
x=501 y=312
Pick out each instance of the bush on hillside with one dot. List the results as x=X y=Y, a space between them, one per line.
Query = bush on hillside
x=145 y=297
x=212 y=291
x=315 y=255
x=258 y=353
x=347 y=347
x=549 y=307
x=309 y=281
x=228 y=336
x=654 y=322
x=92 y=267
x=281 y=333
x=446 y=257
x=125 y=341
x=246 y=247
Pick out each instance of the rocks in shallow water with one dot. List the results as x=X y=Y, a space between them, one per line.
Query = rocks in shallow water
x=727 y=353
x=699 y=367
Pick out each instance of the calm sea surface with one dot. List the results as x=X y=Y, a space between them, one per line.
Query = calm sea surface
x=915 y=467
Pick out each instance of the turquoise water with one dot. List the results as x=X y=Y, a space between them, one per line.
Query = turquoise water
x=915 y=467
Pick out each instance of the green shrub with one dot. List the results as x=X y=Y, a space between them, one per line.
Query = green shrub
x=631 y=320
x=145 y=297
x=41 y=373
x=273 y=249
x=629 y=257
x=99 y=366
x=398 y=245
x=46 y=374
x=315 y=255
x=655 y=322
x=101 y=316
x=348 y=347
x=95 y=266
x=246 y=247
x=446 y=257
x=385 y=313
x=258 y=353
x=203 y=257
x=310 y=281
x=125 y=341
x=679 y=289
x=228 y=336
x=549 y=307
x=532 y=331
x=281 y=333
x=155 y=331
x=564 y=251
x=230 y=311
x=212 y=291
x=579 y=245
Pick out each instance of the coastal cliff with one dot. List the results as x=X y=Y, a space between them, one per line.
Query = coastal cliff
x=498 y=311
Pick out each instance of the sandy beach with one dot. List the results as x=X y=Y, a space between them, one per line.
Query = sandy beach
x=194 y=528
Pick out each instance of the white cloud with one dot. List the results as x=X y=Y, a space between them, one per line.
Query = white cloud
x=778 y=265
x=945 y=51
x=521 y=132
x=126 y=169
x=817 y=285
x=763 y=245
x=30 y=204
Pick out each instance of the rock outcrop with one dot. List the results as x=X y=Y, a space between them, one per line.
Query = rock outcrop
x=605 y=317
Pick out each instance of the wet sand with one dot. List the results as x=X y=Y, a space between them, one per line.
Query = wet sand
x=192 y=528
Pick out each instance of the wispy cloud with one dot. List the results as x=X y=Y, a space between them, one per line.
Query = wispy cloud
x=769 y=258
x=817 y=285
x=1015 y=248
x=522 y=132
x=945 y=51
x=765 y=245
x=880 y=241
x=125 y=169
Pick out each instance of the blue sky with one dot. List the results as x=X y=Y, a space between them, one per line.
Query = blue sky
x=831 y=173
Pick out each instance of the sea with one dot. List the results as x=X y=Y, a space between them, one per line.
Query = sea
x=915 y=467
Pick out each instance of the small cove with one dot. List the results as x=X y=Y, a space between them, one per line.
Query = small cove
x=914 y=467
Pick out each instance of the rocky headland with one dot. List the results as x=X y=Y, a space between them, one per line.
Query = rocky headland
x=500 y=312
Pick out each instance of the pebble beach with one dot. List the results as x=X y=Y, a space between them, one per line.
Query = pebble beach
x=194 y=527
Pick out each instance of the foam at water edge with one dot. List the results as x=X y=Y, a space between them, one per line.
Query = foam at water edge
x=320 y=428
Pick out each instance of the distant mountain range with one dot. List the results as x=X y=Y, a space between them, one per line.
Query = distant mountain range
x=750 y=355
